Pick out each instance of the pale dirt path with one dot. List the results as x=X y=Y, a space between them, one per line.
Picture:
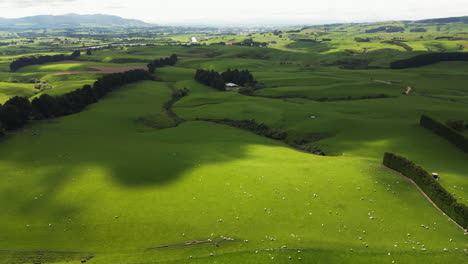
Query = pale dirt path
x=427 y=197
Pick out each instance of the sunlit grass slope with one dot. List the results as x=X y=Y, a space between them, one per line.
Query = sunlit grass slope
x=102 y=183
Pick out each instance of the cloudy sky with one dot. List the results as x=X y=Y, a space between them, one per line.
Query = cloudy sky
x=242 y=11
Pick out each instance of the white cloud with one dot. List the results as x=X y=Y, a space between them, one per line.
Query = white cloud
x=200 y=11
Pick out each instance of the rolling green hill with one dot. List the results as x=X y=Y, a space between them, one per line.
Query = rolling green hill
x=142 y=178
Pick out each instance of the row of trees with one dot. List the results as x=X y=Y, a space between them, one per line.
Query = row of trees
x=243 y=77
x=418 y=30
x=399 y=43
x=170 y=61
x=218 y=81
x=252 y=125
x=251 y=43
x=429 y=58
x=211 y=78
x=17 y=111
x=446 y=132
x=437 y=193
x=388 y=29
x=32 y=60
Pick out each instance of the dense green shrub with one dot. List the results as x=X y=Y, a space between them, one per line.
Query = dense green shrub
x=418 y=30
x=446 y=132
x=2 y=133
x=437 y=193
x=251 y=43
x=358 y=39
x=15 y=113
x=170 y=61
x=388 y=29
x=218 y=81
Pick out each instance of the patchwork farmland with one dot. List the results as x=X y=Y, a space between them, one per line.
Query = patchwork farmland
x=285 y=168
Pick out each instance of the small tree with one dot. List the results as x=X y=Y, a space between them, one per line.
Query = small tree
x=88 y=52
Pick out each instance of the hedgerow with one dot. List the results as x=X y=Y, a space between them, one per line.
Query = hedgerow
x=437 y=193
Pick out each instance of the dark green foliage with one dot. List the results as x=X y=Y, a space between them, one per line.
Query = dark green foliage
x=429 y=58
x=75 y=54
x=23 y=105
x=210 y=78
x=399 y=43
x=358 y=39
x=179 y=93
x=418 y=30
x=2 y=132
x=238 y=77
x=430 y=186
x=388 y=29
x=458 y=125
x=353 y=63
x=440 y=129
x=463 y=19
x=252 y=125
x=170 y=61
x=26 y=61
x=218 y=81
x=15 y=113
x=88 y=52
x=44 y=106
x=350 y=98
x=11 y=117
x=176 y=96
x=251 y=43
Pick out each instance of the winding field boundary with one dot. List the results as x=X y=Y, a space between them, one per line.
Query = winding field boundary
x=427 y=197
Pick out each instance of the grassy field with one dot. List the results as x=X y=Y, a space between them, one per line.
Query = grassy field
x=123 y=182
x=175 y=186
x=8 y=90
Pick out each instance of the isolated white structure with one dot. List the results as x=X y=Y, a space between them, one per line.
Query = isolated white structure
x=194 y=40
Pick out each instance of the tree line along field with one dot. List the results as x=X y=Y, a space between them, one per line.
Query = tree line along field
x=122 y=182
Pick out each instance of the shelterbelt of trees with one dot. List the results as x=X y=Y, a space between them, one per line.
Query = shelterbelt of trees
x=170 y=61
x=32 y=60
x=18 y=111
x=437 y=193
x=218 y=81
x=429 y=58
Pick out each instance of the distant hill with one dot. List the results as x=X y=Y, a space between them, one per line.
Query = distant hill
x=69 y=20
x=463 y=19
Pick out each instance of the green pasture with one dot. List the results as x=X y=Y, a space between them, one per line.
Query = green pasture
x=8 y=90
x=175 y=186
x=121 y=182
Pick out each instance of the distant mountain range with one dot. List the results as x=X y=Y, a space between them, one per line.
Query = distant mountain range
x=69 y=20
x=100 y=20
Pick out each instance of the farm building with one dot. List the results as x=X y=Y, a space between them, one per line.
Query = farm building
x=231 y=42
x=194 y=40
x=231 y=85
x=435 y=176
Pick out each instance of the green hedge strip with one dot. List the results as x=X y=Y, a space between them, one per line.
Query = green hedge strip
x=444 y=131
x=437 y=193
